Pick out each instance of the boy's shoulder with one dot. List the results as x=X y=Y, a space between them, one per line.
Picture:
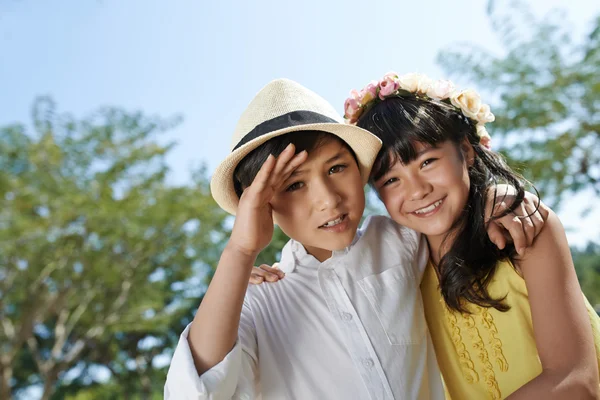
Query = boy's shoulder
x=383 y=244
x=381 y=227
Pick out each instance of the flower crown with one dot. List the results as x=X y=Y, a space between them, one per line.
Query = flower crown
x=394 y=85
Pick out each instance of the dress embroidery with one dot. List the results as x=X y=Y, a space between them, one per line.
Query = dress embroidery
x=479 y=345
x=488 y=321
x=466 y=363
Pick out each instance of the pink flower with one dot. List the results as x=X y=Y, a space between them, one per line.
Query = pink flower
x=391 y=74
x=352 y=109
x=484 y=137
x=369 y=93
x=486 y=142
x=387 y=86
x=355 y=94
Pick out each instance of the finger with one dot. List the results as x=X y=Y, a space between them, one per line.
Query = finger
x=293 y=164
x=272 y=270
x=535 y=217
x=286 y=155
x=290 y=165
x=528 y=225
x=495 y=234
x=543 y=210
x=256 y=279
x=261 y=180
x=514 y=227
x=266 y=275
x=280 y=180
x=499 y=209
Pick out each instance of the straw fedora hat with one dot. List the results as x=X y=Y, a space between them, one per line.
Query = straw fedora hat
x=281 y=107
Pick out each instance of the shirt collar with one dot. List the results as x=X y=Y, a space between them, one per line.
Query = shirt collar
x=294 y=254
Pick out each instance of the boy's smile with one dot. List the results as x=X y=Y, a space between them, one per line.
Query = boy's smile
x=322 y=203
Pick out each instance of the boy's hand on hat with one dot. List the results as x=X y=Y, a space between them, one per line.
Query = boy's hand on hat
x=253 y=226
x=266 y=273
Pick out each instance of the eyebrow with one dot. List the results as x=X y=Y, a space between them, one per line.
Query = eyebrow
x=419 y=154
x=336 y=157
x=426 y=150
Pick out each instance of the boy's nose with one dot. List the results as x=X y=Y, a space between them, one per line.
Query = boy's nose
x=325 y=197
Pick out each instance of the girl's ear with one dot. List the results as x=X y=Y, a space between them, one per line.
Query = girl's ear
x=468 y=152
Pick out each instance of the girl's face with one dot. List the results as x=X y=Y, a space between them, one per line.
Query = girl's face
x=429 y=193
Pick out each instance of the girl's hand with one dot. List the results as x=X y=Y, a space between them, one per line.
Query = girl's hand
x=253 y=226
x=266 y=273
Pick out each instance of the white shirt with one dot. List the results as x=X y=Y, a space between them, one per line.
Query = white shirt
x=351 y=327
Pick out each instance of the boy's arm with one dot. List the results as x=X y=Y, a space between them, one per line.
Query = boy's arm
x=522 y=225
x=235 y=377
x=214 y=329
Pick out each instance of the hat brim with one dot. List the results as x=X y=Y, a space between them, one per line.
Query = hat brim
x=365 y=145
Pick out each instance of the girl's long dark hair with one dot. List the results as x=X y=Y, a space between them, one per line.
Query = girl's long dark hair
x=467 y=268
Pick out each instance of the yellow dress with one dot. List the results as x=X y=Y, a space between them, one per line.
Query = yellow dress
x=488 y=354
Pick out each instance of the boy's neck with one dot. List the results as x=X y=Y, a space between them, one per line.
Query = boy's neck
x=320 y=254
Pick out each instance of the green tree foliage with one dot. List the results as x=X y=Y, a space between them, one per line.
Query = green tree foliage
x=100 y=257
x=545 y=92
x=587 y=265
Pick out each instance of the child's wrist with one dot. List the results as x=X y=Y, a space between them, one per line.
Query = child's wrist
x=241 y=252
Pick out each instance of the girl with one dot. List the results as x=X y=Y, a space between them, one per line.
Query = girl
x=503 y=323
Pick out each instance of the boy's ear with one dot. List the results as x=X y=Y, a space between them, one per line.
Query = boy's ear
x=468 y=152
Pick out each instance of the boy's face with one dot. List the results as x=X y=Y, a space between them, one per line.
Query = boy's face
x=322 y=203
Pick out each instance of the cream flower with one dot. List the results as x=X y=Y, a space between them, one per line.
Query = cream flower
x=485 y=115
x=440 y=90
x=415 y=83
x=409 y=82
x=468 y=101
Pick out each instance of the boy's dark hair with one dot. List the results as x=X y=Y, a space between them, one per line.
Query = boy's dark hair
x=246 y=170
x=467 y=268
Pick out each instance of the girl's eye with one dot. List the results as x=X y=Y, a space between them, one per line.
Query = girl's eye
x=337 y=168
x=427 y=162
x=390 y=181
x=294 y=186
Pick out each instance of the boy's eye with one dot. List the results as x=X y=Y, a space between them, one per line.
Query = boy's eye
x=427 y=162
x=294 y=186
x=337 y=168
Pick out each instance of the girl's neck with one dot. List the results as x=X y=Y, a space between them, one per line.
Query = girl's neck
x=439 y=245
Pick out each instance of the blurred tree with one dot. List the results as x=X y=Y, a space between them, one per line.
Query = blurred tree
x=545 y=93
x=587 y=265
x=101 y=258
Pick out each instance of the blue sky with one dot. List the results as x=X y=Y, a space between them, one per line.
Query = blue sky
x=205 y=60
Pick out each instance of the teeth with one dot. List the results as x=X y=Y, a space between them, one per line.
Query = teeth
x=429 y=208
x=334 y=222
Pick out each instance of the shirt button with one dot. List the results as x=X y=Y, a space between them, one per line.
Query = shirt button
x=368 y=362
x=347 y=316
